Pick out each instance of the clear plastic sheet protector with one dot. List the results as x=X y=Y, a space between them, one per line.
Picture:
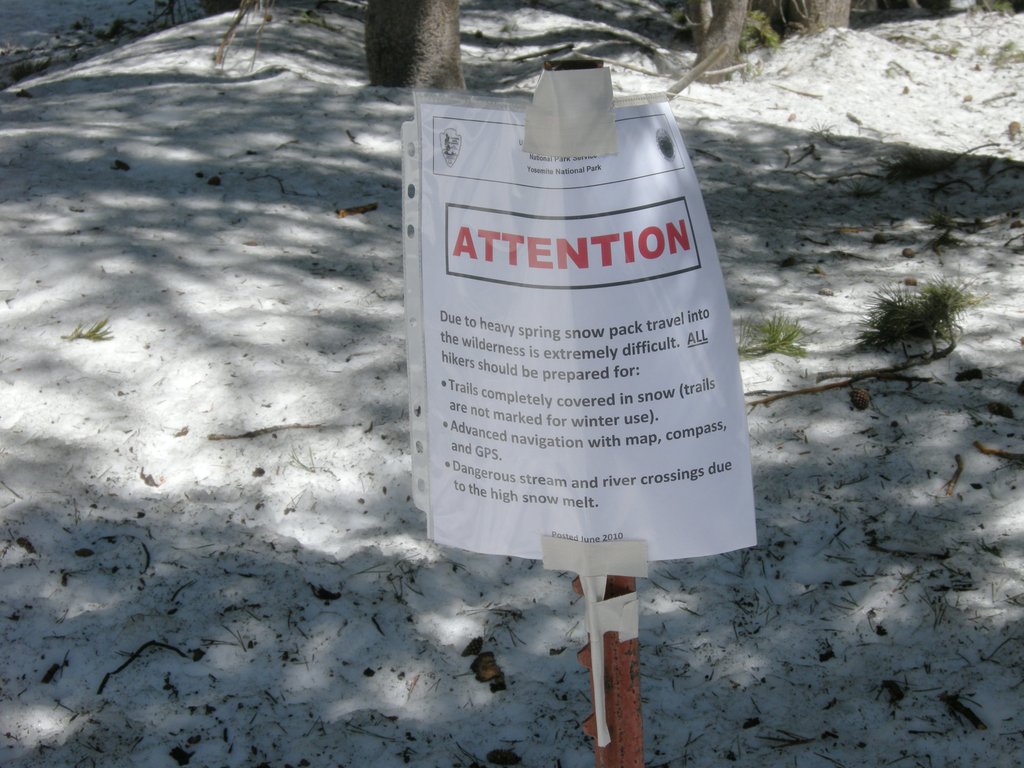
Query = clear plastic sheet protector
x=572 y=360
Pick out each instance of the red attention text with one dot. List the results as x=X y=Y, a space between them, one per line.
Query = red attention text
x=604 y=250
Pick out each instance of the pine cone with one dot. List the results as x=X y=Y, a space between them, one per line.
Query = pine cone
x=860 y=398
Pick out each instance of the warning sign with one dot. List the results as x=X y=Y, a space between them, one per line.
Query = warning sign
x=587 y=251
x=572 y=357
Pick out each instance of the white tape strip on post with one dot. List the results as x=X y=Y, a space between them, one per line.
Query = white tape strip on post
x=572 y=115
x=594 y=562
x=619 y=614
x=609 y=558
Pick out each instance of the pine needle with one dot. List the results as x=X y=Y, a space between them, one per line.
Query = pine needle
x=911 y=163
x=96 y=332
x=899 y=315
x=778 y=334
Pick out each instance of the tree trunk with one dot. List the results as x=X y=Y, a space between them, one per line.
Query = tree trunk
x=816 y=15
x=414 y=43
x=719 y=22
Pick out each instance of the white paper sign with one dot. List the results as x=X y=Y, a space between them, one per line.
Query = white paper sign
x=571 y=350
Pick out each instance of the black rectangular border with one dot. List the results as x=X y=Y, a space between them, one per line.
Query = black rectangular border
x=536 y=216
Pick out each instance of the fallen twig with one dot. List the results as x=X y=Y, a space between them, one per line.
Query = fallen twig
x=787 y=739
x=698 y=71
x=951 y=485
x=545 y=52
x=356 y=209
x=890 y=373
x=14 y=492
x=178 y=591
x=998 y=452
x=999 y=97
x=634 y=68
x=771 y=398
x=54 y=670
x=958 y=709
x=873 y=544
x=997 y=649
x=799 y=93
x=260 y=432
x=134 y=656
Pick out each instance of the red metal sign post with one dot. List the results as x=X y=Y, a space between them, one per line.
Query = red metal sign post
x=607 y=581
x=622 y=690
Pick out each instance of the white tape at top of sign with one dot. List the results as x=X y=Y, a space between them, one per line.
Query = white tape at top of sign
x=572 y=357
x=573 y=113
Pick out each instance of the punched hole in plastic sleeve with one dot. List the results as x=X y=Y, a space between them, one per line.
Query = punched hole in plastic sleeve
x=415 y=345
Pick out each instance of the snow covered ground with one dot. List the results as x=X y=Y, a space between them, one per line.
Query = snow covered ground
x=209 y=555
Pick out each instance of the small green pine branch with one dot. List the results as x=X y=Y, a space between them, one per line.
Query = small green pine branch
x=945 y=239
x=25 y=69
x=940 y=220
x=307 y=463
x=778 y=334
x=97 y=332
x=300 y=463
x=933 y=313
x=1009 y=53
x=914 y=163
x=824 y=131
x=863 y=189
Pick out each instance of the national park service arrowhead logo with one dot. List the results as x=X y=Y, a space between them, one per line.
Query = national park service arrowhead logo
x=668 y=149
x=451 y=143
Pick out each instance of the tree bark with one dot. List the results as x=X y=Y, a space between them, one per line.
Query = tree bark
x=816 y=15
x=719 y=22
x=414 y=43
